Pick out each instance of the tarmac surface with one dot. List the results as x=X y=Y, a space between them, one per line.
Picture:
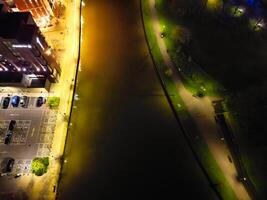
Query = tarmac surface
x=32 y=137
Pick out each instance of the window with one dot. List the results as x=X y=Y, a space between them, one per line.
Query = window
x=9 y=47
x=42 y=60
x=35 y=51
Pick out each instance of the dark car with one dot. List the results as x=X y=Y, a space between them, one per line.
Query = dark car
x=24 y=101
x=8 y=137
x=9 y=165
x=12 y=125
x=40 y=101
x=6 y=102
x=15 y=101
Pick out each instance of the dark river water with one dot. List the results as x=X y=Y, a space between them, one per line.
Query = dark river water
x=124 y=142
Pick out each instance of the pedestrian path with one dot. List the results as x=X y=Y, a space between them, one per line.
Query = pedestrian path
x=202 y=113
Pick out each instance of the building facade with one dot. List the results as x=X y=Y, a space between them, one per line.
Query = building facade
x=25 y=57
x=41 y=10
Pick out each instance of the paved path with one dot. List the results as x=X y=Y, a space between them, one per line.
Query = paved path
x=203 y=114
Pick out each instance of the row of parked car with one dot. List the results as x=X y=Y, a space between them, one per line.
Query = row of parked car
x=23 y=101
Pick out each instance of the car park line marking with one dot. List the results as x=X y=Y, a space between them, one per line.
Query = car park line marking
x=28 y=130
x=12 y=114
x=41 y=120
x=33 y=129
x=26 y=109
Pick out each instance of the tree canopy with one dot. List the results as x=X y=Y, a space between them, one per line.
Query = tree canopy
x=53 y=102
x=39 y=166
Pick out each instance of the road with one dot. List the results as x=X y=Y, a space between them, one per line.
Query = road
x=202 y=113
x=124 y=142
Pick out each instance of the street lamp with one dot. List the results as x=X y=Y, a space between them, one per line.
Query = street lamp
x=162 y=33
x=48 y=52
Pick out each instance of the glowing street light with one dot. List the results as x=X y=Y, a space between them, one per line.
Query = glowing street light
x=162 y=33
x=241 y=10
x=48 y=52
x=83 y=4
x=261 y=24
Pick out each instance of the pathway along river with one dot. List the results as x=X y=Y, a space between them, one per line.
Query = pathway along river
x=124 y=142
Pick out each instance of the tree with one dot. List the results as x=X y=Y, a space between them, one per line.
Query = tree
x=39 y=165
x=53 y=102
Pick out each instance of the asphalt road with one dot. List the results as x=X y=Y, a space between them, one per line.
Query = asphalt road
x=26 y=134
x=124 y=142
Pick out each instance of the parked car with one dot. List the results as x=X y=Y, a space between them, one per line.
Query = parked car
x=12 y=125
x=17 y=176
x=40 y=101
x=6 y=102
x=24 y=101
x=15 y=101
x=8 y=137
x=9 y=165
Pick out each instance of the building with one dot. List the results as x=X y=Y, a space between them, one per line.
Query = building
x=3 y=7
x=25 y=57
x=41 y=10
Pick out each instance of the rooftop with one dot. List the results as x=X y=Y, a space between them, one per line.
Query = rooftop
x=17 y=25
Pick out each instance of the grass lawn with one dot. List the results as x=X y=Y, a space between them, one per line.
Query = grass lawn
x=194 y=77
x=199 y=146
x=228 y=58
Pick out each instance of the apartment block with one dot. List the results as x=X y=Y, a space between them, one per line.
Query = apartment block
x=41 y=10
x=25 y=57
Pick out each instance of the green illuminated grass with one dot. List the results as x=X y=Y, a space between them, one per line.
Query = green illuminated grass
x=236 y=12
x=194 y=78
x=199 y=145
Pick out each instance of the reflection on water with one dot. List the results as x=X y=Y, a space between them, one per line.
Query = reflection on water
x=124 y=142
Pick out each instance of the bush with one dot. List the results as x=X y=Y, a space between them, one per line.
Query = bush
x=53 y=102
x=39 y=166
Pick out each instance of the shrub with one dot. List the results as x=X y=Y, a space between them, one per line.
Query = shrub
x=39 y=166
x=53 y=102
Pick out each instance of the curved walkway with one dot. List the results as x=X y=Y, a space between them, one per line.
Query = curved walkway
x=202 y=112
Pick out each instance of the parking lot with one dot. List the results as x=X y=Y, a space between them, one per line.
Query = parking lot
x=32 y=135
